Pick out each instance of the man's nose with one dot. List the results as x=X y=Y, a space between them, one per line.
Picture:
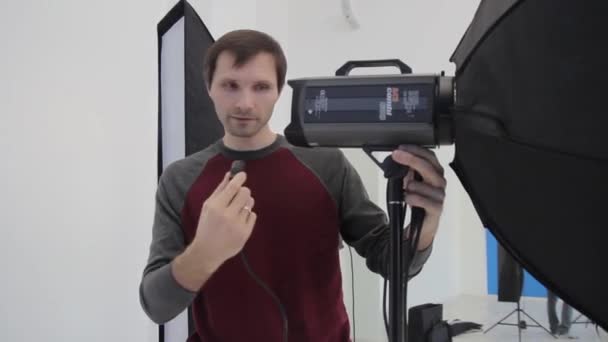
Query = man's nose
x=245 y=101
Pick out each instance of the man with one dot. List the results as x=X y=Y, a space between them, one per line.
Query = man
x=258 y=253
x=557 y=328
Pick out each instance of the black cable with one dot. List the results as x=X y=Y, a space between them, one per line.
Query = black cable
x=269 y=291
x=236 y=167
x=352 y=284
x=384 y=314
x=384 y=306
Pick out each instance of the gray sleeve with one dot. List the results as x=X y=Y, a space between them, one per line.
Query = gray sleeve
x=161 y=297
x=419 y=260
x=365 y=226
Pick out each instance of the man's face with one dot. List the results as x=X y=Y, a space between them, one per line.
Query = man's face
x=244 y=97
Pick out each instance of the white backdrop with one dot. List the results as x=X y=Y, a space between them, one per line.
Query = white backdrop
x=78 y=111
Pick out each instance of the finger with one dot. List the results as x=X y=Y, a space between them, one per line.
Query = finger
x=424 y=153
x=408 y=178
x=422 y=166
x=226 y=195
x=420 y=188
x=239 y=202
x=246 y=210
x=222 y=184
x=251 y=219
x=430 y=206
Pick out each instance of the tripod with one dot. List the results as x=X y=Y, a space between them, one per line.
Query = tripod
x=521 y=324
x=586 y=322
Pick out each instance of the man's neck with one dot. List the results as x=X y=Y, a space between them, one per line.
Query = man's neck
x=257 y=142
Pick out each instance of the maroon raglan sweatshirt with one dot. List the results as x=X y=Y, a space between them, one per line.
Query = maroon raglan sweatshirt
x=307 y=201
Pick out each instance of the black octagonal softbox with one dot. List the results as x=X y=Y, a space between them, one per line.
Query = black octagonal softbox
x=530 y=130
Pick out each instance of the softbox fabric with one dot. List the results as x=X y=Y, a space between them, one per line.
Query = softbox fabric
x=531 y=147
x=187 y=122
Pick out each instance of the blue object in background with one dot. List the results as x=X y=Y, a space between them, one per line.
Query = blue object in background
x=532 y=288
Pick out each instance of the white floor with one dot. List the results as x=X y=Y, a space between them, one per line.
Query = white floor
x=487 y=310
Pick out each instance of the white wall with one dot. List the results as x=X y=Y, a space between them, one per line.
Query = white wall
x=78 y=96
x=78 y=115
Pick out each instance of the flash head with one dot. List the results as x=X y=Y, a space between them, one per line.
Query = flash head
x=374 y=111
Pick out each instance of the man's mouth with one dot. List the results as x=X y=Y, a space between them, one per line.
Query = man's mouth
x=242 y=118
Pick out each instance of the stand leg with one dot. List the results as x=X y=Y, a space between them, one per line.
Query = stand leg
x=539 y=325
x=578 y=320
x=520 y=324
x=518 y=321
x=497 y=323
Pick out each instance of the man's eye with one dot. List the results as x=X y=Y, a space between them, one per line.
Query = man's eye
x=230 y=86
x=262 y=87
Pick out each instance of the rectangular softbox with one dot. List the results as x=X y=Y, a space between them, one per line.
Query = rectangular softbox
x=187 y=122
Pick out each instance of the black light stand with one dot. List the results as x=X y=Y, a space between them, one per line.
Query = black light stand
x=521 y=324
x=401 y=252
x=398 y=302
x=578 y=320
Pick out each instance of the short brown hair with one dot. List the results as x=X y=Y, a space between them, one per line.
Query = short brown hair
x=245 y=44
